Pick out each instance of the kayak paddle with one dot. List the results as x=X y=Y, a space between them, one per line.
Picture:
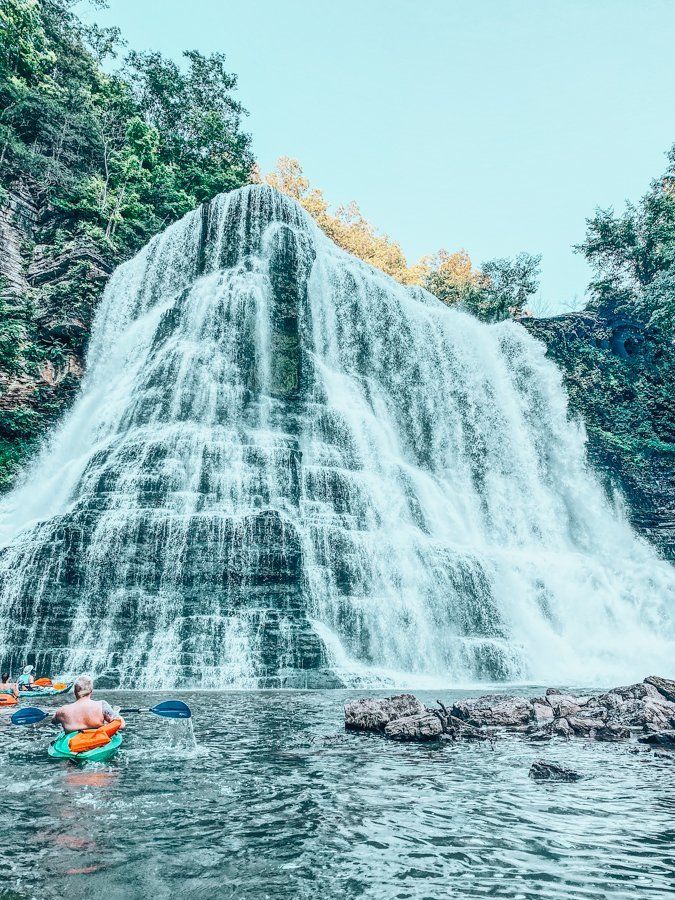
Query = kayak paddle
x=31 y=715
x=169 y=709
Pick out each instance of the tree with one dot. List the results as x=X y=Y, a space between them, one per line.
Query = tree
x=109 y=160
x=500 y=290
x=633 y=254
x=508 y=285
x=197 y=120
x=453 y=279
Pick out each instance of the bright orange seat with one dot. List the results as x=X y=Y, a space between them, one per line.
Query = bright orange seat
x=43 y=682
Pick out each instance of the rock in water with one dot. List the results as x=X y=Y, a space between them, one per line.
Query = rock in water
x=542 y=710
x=664 y=686
x=415 y=728
x=541 y=770
x=494 y=709
x=373 y=714
x=659 y=739
x=611 y=733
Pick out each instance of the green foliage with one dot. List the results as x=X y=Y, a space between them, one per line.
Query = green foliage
x=110 y=159
x=116 y=156
x=509 y=285
x=196 y=120
x=13 y=335
x=633 y=254
x=498 y=291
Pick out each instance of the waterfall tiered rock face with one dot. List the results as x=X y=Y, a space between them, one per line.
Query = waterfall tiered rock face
x=286 y=469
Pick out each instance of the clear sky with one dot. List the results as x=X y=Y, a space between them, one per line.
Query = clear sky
x=494 y=125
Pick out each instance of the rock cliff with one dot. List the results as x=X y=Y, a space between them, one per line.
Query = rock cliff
x=49 y=289
x=620 y=379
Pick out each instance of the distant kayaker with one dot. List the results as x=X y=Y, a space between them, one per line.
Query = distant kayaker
x=26 y=679
x=7 y=686
x=85 y=712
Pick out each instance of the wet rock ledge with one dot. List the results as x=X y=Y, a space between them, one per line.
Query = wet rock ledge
x=645 y=710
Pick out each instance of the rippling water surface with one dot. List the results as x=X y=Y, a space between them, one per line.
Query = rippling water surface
x=273 y=799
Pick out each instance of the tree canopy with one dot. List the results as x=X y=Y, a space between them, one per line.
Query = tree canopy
x=633 y=254
x=117 y=156
x=501 y=289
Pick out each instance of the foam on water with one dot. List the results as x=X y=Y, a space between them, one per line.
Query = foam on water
x=426 y=499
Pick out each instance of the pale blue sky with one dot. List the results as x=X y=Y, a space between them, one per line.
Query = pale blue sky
x=495 y=125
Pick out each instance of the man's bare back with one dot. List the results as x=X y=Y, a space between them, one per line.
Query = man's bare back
x=84 y=712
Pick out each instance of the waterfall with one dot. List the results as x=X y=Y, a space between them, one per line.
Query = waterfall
x=284 y=468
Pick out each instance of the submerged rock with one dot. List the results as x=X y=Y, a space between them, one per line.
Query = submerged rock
x=541 y=734
x=659 y=739
x=541 y=770
x=426 y=727
x=374 y=714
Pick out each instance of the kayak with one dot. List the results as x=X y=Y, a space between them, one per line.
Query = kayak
x=46 y=691
x=59 y=749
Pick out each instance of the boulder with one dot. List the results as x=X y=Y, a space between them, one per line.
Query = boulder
x=425 y=727
x=543 y=711
x=592 y=712
x=584 y=727
x=638 y=706
x=635 y=691
x=374 y=714
x=664 y=686
x=659 y=739
x=565 y=706
x=494 y=709
x=561 y=727
x=611 y=733
x=541 y=770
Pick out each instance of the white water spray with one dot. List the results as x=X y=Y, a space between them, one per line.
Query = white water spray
x=283 y=462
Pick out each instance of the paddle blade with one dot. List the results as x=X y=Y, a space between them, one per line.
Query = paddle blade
x=172 y=709
x=31 y=715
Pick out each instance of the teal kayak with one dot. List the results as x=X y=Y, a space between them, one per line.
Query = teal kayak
x=59 y=749
x=46 y=691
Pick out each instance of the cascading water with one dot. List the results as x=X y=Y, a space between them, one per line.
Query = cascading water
x=285 y=468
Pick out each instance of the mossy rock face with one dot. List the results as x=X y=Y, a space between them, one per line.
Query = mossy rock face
x=289 y=271
x=620 y=378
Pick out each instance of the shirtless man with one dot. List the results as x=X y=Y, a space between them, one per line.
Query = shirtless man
x=7 y=686
x=84 y=712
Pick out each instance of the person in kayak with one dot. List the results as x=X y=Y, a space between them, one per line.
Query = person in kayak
x=85 y=712
x=7 y=686
x=26 y=679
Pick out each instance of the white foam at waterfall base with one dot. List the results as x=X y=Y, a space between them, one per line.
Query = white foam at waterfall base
x=450 y=528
